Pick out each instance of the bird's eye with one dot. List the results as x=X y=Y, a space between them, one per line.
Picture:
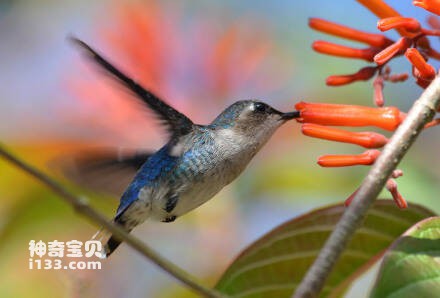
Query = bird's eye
x=260 y=107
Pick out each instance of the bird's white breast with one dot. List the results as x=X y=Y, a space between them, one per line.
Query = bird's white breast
x=233 y=154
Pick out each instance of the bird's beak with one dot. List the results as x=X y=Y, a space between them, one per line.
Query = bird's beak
x=290 y=115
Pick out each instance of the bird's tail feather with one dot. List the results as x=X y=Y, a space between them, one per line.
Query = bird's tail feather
x=109 y=243
x=102 y=236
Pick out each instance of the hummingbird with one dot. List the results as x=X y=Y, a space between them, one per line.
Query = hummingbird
x=196 y=162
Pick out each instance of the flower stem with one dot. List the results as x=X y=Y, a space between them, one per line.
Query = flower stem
x=421 y=113
x=83 y=208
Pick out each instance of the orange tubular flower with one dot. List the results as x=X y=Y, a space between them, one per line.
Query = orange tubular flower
x=378 y=94
x=430 y=5
x=422 y=83
x=366 y=158
x=379 y=8
x=434 y=22
x=425 y=70
x=391 y=186
x=433 y=123
x=383 y=10
x=399 y=46
x=430 y=32
x=387 y=118
x=364 y=139
x=363 y=74
x=433 y=53
x=409 y=24
x=400 y=77
x=374 y=40
x=350 y=198
x=333 y=49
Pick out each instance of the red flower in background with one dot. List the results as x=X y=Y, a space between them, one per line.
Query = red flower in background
x=194 y=65
x=414 y=45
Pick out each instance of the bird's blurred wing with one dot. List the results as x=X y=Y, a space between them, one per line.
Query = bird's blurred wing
x=103 y=170
x=177 y=123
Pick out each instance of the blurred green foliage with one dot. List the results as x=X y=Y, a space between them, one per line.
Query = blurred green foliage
x=274 y=265
x=411 y=268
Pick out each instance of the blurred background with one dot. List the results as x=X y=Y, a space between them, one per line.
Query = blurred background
x=200 y=56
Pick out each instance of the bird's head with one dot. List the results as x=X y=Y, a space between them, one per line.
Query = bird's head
x=252 y=119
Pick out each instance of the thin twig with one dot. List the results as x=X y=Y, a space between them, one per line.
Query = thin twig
x=421 y=113
x=83 y=208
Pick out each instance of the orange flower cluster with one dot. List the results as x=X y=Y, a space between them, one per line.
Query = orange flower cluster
x=413 y=44
x=317 y=117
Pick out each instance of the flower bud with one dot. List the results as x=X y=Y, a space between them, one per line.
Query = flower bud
x=409 y=24
x=425 y=70
x=328 y=48
x=388 y=53
x=363 y=74
x=366 y=158
x=364 y=139
x=374 y=40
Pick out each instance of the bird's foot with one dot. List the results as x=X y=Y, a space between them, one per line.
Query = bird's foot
x=170 y=219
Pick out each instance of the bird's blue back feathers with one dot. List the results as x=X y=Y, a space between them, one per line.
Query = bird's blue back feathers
x=156 y=166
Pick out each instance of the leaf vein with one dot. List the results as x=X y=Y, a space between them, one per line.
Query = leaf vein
x=273 y=260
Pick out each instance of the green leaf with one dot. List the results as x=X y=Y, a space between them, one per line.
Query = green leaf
x=411 y=268
x=275 y=264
